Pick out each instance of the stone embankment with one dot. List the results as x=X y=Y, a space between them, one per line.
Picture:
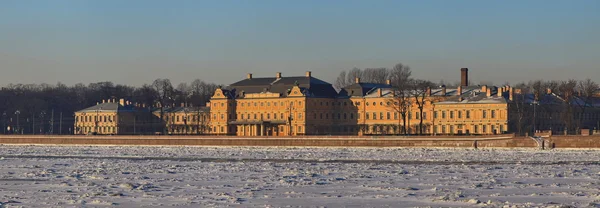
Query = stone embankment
x=497 y=141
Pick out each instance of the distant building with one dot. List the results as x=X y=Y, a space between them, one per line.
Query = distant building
x=184 y=120
x=112 y=117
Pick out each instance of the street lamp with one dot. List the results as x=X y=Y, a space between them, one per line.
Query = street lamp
x=18 y=125
x=4 y=122
x=534 y=103
x=185 y=111
x=42 y=114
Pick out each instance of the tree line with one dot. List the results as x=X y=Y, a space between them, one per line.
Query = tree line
x=49 y=109
x=565 y=106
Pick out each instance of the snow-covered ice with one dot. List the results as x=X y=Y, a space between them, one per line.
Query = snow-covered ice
x=127 y=176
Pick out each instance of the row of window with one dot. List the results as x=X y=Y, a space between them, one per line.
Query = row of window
x=262 y=116
x=233 y=129
x=102 y=130
x=459 y=114
x=262 y=104
x=181 y=118
x=475 y=129
x=95 y=118
x=299 y=103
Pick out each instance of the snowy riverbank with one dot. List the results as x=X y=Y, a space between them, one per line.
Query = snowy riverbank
x=126 y=176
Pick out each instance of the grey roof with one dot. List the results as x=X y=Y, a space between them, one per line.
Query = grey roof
x=470 y=95
x=554 y=99
x=182 y=109
x=109 y=107
x=362 y=89
x=311 y=86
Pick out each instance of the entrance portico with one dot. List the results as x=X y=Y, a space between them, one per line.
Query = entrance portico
x=259 y=128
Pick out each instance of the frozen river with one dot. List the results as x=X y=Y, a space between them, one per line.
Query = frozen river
x=106 y=176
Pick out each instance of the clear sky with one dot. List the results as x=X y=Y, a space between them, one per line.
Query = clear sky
x=136 y=41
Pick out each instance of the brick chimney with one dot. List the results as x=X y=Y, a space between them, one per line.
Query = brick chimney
x=488 y=92
x=443 y=90
x=357 y=80
x=500 y=91
x=428 y=91
x=484 y=88
x=459 y=91
x=103 y=101
x=464 y=77
x=182 y=104
x=388 y=82
x=278 y=75
x=122 y=101
x=308 y=73
x=511 y=94
x=379 y=92
x=249 y=76
x=548 y=91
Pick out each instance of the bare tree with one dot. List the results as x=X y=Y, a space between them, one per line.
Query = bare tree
x=567 y=95
x=341 y=81
x=375 y=75
x=164 y=97
x=182 y=93
x=418 y=90
x=519 y=111
x=586 y=91
x=400 y=101
x=352 y=75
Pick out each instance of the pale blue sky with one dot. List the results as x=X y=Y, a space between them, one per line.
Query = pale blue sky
x=137 y=41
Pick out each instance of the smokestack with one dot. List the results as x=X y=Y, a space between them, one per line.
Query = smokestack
x=249 y=76
x=443 y=90
x=464 y=77
x=278 y=75
x=308 y=73
x=357 y=80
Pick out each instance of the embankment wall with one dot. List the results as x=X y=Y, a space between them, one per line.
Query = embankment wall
x=313 y=141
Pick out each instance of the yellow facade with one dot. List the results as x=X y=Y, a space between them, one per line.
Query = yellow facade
x=265 y=114
x=111 y=117
x=295 y=112
x=100 y=123
x=470 y=119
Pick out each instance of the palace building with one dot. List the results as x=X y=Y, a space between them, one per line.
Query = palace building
x=305 y=105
